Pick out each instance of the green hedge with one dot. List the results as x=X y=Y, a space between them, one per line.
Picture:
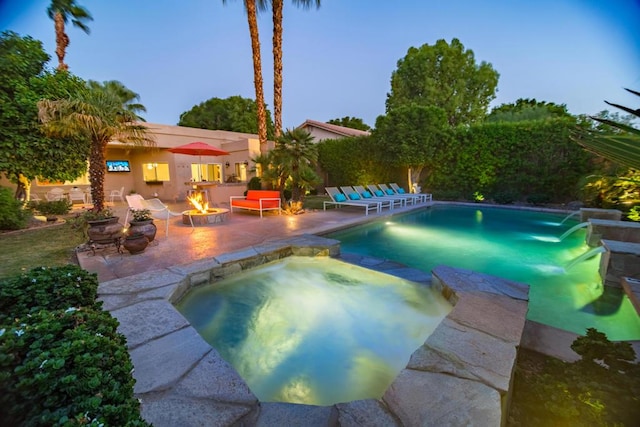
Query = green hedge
x=62 y=362
x=519 y=160
x=356 y=161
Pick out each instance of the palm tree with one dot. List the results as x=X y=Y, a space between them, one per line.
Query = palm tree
x=277 y=6
x=252 y=7
x=295 y=157
x=621 y=146
x=60 y=11
x=100 y=114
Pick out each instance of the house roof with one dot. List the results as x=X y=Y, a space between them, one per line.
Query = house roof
x=338 y=130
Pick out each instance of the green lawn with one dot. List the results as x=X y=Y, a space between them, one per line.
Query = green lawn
x=47 y=246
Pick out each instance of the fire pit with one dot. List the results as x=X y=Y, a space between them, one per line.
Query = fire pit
x=197 y=217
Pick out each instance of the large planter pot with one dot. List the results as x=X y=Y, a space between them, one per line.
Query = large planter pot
x=148 y=228
x=105 y=231
x=135 y=243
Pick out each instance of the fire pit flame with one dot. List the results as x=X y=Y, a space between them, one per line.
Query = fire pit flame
x=197 y=202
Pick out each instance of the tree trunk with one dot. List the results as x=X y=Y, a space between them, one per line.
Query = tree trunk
x=97 y=171
x=252 y=18
x=277 y=6
x=62 y=41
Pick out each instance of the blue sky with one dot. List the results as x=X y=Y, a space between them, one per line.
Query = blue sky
x=338 y=59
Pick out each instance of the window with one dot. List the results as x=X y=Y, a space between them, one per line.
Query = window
x=154 y=172
x=241 y=171
x=211 y=172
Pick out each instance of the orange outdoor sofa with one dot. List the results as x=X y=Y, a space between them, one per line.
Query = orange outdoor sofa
x=257 y=200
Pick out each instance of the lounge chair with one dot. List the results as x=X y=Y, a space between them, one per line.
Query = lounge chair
x=338 y=199
x=378 y=192
x=424 y=197
x=158 y=209
x=365 y=195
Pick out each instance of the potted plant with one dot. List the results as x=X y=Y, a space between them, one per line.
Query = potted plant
x=142 y=222
x=100 y=226
x=135 y=242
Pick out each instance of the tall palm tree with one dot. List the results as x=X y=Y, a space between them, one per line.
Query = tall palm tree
x=252 y=7
x=277 y=6
x=61 y=11
x=100 y=114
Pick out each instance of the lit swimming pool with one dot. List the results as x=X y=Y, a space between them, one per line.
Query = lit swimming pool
x=515 y=244
x=315 y=330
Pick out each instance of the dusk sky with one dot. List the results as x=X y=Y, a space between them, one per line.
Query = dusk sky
x=338 y=59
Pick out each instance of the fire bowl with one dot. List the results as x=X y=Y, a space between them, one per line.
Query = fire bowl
x=197 y=217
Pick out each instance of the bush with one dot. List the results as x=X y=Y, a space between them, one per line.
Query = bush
x=505 y=197
x=47 y=289
x=54 y=207
x=601 y=388
x=12 y=215
x=538 y=199
x=62 y=362
x=254 y=183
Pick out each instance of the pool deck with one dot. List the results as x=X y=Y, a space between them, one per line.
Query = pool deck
x=172 y=363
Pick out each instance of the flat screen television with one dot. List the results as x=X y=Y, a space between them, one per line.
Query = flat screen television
x=118 y=166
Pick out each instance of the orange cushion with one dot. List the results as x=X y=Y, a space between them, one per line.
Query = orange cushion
x=261 y=194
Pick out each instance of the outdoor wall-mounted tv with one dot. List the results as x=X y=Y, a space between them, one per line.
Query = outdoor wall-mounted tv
x=118 y=166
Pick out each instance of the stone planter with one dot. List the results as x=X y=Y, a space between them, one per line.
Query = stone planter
x=105 y=231
x=148 y=228
x=135 y=243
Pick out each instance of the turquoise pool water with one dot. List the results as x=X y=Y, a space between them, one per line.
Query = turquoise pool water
x=515 y=244
x=315 y=330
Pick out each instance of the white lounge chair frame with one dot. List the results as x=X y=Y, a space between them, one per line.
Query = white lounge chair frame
x=333 y=191
x=385 y=203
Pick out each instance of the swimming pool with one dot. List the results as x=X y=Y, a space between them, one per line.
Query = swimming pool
x=316 y=330
x=519 y=245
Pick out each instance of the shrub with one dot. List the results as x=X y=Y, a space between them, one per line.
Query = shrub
x=504 y=197
x=62 y=361
x=141 y=215
x=538 y=199
x=254 y=183
x=45 y=288
x=12 y=215
x=54 y=207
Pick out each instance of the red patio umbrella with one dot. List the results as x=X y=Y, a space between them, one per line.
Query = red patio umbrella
x=198 y=149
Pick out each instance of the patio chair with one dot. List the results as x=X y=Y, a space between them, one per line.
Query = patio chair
x=424 y=197
x=338 y=199
x=55 y=194
x=117 y=193
x=77 y=195
x=400 y=201
x=353 y=194
x=158 y=209
x=378 y=192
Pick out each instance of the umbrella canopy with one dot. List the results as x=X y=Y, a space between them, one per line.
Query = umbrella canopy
x=198 y=149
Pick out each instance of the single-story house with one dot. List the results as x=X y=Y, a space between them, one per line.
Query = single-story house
x=156 y=172
x=321 y=130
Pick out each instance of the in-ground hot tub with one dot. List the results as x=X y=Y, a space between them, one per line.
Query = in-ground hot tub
x=315 y=330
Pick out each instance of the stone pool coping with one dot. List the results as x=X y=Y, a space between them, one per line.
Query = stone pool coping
x=461 y=375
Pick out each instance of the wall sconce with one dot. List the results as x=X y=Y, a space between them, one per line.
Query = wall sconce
x=246 y=163
x=226 y=164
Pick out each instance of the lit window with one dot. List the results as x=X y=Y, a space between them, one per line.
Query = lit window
x=155 y=172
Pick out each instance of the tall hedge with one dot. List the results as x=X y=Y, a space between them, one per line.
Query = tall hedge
x=526 y=159
x=355 y=161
